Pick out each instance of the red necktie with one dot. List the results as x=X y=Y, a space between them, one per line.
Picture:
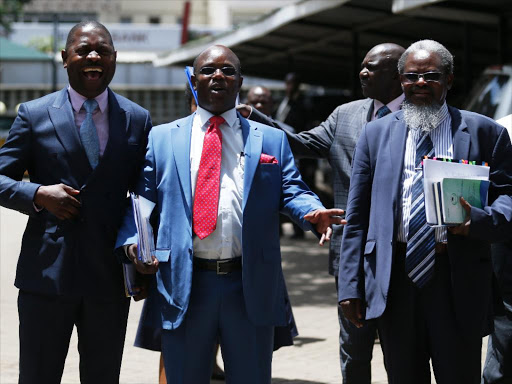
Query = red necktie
x=206 y=199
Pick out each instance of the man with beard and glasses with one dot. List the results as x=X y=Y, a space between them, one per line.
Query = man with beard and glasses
x=219 y=182
x=335 y=139
x=83 y=147
x=429 y=289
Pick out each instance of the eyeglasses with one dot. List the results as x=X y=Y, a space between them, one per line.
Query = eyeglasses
x=412 y=77
x=209 y=71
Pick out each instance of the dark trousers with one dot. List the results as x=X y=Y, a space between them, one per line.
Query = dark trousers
x=46 y=324
x=498 y=363
x=356 y=349
x=217 y=312
x=419 y=325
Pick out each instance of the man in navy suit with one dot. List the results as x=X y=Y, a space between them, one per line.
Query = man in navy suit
x=82 y=148
x=225 y=284
x=429 y=290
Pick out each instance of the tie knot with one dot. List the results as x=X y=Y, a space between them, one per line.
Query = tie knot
x=216 y=121
x=383 y=111
x=90 y=105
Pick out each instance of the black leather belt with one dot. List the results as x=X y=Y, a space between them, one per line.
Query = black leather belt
x=221 y=267
x=441 y=248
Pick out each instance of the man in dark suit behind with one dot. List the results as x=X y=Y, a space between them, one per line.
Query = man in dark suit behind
x=335 y=139
x=82 y=147
x=429 y=290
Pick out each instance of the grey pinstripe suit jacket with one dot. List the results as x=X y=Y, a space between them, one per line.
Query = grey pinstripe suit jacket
x=334 y=140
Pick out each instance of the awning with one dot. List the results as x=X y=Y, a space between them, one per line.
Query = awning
x=326 y=40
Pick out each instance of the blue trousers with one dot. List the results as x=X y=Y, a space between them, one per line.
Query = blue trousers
x=356 y=349
x=217 y=312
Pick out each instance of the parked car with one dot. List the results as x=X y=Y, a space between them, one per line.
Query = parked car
x=492 y=93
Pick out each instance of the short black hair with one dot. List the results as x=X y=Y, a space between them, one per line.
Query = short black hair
x=95 y=24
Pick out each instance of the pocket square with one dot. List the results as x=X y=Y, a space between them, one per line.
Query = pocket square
x=267 y=159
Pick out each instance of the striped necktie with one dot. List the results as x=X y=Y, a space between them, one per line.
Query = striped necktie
x=420 y=253
x=89 y=135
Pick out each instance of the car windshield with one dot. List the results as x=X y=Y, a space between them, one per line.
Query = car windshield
x=491 y=92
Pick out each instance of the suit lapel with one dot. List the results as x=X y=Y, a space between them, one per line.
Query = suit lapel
x=461 y=138
x=63 y=120
x=180 y=141
x=118 y=123
x=253 y=139
x=398 y=135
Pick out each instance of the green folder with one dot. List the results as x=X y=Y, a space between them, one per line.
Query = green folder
x=473 y=191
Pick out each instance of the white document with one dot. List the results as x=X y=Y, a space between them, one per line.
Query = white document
x=142 y=209
x=436 y=170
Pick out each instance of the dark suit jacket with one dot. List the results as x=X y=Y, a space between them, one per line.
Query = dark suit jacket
x=71 y=256
x=373 y=216
x=334 y=140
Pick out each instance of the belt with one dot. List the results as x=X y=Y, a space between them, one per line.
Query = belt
x=441 y=248
x=221 y=267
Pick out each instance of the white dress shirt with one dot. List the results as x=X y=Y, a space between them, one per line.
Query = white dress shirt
x=226 y=240
x=443 y=147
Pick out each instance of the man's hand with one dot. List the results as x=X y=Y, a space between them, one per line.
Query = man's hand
x=58 y=199
x=352 y=310
x=323 y=219
x=244 y=109
x=146 y=269
x=463 y=228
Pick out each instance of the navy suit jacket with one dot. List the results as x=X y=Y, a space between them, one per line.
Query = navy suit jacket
x=268 y=189
x=71 y=256
x=369 y=238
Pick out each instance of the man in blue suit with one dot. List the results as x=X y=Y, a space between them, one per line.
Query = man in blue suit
x=219 y=263
x=82 y=147
x=429 y=290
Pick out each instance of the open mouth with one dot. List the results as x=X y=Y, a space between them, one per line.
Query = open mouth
x=93 y=73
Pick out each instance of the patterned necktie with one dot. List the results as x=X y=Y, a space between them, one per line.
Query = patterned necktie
x=419 y=259
x=206 y=199
x=383 y=111
x=89 y=135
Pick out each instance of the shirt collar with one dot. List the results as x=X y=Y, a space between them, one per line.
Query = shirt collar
x=230 y=116
x=77 y=100
x=393 y=105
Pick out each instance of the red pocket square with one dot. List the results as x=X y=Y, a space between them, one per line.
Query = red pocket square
x=267 y=159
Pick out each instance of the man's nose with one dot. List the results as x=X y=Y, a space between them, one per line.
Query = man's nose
x=93 y=55
x=421 y=81
x=363 y=73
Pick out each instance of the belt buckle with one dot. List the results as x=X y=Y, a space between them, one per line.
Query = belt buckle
x=219 y=263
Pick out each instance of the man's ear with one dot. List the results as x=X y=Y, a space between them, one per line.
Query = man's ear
x=193 y=80
x=64 y=55
x=240 y=82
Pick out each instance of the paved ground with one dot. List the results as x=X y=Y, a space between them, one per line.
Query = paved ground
x=313 y=360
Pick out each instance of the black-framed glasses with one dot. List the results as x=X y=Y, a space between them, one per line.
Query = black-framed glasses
x=209 y=71
x=412 y=77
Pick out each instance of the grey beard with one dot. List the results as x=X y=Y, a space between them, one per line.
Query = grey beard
x=422 y=117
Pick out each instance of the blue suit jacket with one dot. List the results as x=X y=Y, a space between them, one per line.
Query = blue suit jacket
x=71 y=256
x=373 y=215
x=268 y=189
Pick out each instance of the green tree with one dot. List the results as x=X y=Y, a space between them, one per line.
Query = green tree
x=9 y=12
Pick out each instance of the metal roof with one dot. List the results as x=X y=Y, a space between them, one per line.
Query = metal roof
x=10 y=51
x=326 y=40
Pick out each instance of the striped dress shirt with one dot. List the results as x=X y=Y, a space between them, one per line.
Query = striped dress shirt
x=442 y=140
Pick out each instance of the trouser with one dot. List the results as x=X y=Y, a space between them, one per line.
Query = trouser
x=498 y=362
x=419 y=324
x=217 y=312
x=46 y=325
x=356 y=349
